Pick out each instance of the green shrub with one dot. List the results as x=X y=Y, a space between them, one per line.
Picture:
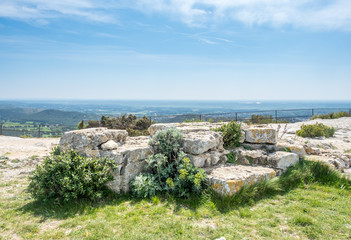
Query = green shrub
x=145 y=186
x=135 y=126
x=169 y=170
x=169 y=142
x=135 y=132
x=81 y=125
x=333 y=115
x=56 y=150
x=69 y=176
x=316 y=130
x=231 y=134
x=180 y=178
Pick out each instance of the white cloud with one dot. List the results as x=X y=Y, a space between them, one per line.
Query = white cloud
x=319 y=14
x=315 y=14
x=47 y=9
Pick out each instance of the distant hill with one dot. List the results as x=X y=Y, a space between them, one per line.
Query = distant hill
x=49 y=116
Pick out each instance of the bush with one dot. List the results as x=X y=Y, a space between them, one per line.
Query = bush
x=331 y=115
x=179 y=178
x=169 y=170
x=69 y=176
x=169 y=142
x=231 y=134
x=316 y=130
x=133 y=125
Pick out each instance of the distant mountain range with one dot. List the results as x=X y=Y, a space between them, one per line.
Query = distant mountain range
x=49 y=116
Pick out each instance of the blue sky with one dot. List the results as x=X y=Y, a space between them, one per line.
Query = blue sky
x=175 y=49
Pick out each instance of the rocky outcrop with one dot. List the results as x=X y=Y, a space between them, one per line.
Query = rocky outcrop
x=91 y=139
x=229 y=179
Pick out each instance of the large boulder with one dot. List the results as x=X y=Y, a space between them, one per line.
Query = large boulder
x=261 y=135
x=203 y=141
x=282 y=160
x=83 y=141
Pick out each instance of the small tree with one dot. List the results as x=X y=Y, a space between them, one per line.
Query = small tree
x=81 y=125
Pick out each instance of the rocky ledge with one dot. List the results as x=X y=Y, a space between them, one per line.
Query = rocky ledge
x=266 y=151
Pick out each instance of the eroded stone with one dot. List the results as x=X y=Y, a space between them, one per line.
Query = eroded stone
x=261 y=135
x=228 y=180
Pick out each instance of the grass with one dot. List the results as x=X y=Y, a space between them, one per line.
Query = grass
x=310 y=201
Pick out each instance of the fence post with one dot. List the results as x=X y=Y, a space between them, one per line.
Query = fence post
x=236 y=117
x=0 y=128
x=276 y=116
x=312 y=112
x=350 y=111
x=39 y=131
x=200 y=117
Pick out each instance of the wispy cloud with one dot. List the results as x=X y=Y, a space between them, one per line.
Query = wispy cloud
x=317 y=14
x=314 y=14
x=44 y=10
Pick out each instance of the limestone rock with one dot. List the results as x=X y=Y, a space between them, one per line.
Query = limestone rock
x=90 y=139
x=282 y=160
x=208 y=159
x=200 y=142
x=228 y=180
x=109 y=145
x=251 y=157
x=261 y=135
x=294 y=148
x=161 y=126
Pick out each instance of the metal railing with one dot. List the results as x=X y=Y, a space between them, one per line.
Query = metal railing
x=287 y=115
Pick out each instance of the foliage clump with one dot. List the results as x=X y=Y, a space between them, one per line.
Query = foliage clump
x=135 y=126
x=169 y=171
x=231 y=134
x=315 y=130
x=333 y=115
x=169 y=142
x=68 y=176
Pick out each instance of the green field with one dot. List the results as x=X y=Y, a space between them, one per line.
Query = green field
x=31 y=129
x=314 y=210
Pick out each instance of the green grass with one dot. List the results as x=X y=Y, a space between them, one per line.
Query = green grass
x=310 y=202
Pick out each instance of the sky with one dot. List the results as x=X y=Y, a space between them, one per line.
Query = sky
x=175 y=49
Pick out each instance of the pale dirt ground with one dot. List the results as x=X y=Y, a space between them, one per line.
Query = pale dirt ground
x=340 y=142
x=19 y=156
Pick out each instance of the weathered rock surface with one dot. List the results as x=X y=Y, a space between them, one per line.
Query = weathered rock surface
x=202 y=141
x=229 y=179
x=261 y=135
x=208 y=159
x=282 y=160
x=188 y=127
x=251 y=157
x=90 y=139
x=109 y=145
x=298 y=149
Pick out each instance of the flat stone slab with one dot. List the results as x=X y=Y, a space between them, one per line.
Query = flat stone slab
x=188 y=127
x=90 y=138
x=261 y=135
x=282 y=160
x=230 y=179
